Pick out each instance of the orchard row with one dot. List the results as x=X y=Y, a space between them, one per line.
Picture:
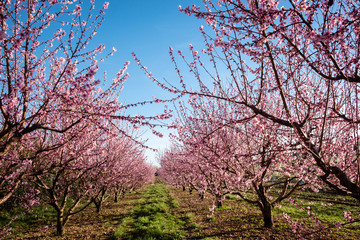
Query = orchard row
x=64 y=140
x=276 y=104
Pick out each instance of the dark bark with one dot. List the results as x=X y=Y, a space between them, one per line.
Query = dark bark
x=218 y=202
x=265 y=207
x=98 y=205
x=202 y=196
x=99 y=199
x=266 y=210
x=60 y=222
x=116 y=196
x=123 y=193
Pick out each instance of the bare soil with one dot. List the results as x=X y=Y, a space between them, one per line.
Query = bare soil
x=239 y=220
x=236 y=220
x=87 y=224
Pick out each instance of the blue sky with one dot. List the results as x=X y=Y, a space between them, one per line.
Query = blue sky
x=147 y=28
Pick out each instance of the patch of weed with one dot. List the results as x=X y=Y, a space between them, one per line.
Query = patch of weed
x=222 y=208
x=187 y=218
x=151 y=218
x=232 y=197
x=210 y=218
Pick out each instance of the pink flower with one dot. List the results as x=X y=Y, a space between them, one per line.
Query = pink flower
x=106 y=5
x=337 y=224
x=17 y=43
x=77 y=10
x=348 y=217
x=286 y=216
x=91 y=73
x=2 y=36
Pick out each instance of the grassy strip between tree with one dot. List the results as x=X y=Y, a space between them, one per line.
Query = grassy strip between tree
x=151 y=218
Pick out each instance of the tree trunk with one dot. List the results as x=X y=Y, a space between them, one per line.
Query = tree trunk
x=266 y=210
x=218 y=202
x=184 y=188
x=265 y=207
x=97 y=205
x=267 y=215
x=60 y=223
x=116 y=196
x=202 y=196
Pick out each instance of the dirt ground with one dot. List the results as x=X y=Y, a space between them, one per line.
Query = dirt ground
x=87 y=224
x=236 y=220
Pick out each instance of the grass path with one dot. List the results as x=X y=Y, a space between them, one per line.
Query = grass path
x=152 y=218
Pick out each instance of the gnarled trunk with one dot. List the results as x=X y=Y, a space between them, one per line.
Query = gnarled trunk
x=60 y=222
x=266 y=210
x=265 y=207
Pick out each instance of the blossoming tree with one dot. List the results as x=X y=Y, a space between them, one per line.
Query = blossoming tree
x=293 y=63
x=49 y=82
x=229 y=156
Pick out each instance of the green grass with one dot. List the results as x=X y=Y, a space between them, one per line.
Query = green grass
x=210 y=218
x=232 y=197
x=328 y=208
x=151 y=218
x=319 y=203
x=44 y=214
x=188 y=218
x=223 y=208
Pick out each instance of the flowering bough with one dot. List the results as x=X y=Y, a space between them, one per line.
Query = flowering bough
x=85 y=168
x=52 y=109
x=48 y=81
x=293 y=63
x=212 y=154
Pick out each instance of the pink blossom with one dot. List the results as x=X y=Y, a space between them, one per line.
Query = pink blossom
x=77 y=10
x=337 y=224
x=347 y=216
x=17 y=43
x=2 y=36
x=106 y=5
